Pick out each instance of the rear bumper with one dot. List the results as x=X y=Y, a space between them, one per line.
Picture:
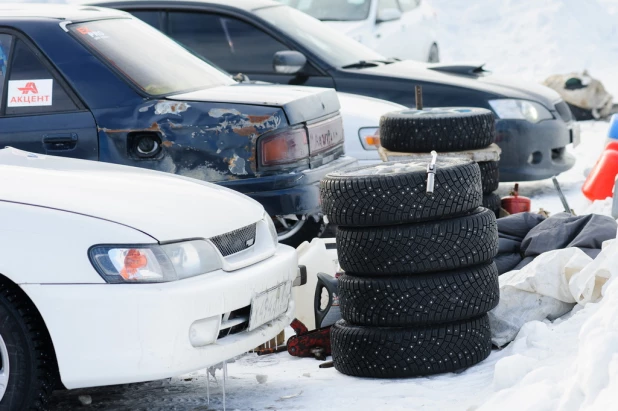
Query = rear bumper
x=534 y=151
x=291 y=193
x=106 y=334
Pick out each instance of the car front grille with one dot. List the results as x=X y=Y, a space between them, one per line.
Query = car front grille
x=565 y=112
x=235 y=241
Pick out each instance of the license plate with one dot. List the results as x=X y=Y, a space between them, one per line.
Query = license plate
x=269 y=305
x=576 y=135
x=325 y=135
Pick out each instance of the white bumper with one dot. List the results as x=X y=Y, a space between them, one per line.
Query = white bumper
x=122 y=333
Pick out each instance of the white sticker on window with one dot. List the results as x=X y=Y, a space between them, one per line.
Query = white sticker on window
x=30 y=93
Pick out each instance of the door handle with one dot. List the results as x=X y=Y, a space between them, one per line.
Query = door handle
x=61 y=141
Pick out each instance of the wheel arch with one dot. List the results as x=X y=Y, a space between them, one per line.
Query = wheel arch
x=7 y=282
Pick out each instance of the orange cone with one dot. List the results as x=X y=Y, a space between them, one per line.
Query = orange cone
x=600 y=182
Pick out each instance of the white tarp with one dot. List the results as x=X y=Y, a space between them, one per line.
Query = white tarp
x=550 y=287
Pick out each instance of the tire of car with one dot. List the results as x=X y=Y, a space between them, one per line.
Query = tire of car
x=441 y=129
x=408 y=352
x=490 y=176
x=25 y=343
x=419 y=300
x=310 y=230
x=493 y=202
x=395 y=193
x=431 y=246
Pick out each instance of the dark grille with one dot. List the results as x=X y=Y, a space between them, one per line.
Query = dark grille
x=565 y=112
x=235 y=241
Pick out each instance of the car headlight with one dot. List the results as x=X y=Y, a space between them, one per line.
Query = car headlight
x=271 y=228
x=369 y=137
x=520 y=110
x=154 y=263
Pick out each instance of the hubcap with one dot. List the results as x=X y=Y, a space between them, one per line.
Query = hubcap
x=4 y=368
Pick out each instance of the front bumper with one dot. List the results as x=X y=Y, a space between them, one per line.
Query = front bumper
x=534 y=151
x=292 y=193
x=123 y=333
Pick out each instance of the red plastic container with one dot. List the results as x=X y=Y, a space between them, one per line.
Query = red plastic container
x=600 y=182
x=515 y=203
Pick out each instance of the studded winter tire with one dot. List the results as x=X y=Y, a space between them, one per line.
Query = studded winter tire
x=490 y=176
x=439 y=245
x=417 y=300
x=395 y=193
x=409 y=352
x=492 y=202
x=441 y=129
x=27 y=363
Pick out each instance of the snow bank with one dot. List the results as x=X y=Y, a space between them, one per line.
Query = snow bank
x=571 y=364
x=532 y=39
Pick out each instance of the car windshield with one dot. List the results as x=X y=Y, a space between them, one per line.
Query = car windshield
x=332 y=10
x=147 y=58
x=335 y=48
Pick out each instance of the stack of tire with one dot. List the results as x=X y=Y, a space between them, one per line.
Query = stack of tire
x=419 y=276
x=446 y=130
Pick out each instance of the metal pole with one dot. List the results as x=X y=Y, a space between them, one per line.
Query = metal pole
x=419 y=97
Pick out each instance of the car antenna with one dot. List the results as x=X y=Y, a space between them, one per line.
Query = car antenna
x=419 y=97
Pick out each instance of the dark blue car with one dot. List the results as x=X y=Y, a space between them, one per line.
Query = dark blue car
x=101 y=85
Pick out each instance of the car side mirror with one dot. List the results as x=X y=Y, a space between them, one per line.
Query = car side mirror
x=289 y=62
x=388 y=15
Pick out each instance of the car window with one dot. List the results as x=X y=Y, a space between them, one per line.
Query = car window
x=333 y=10
x=31 y=87
x=151 y=17
x=407 y=5
x=230 y=43
x=335 y=48
x=388 y=4
x=146 y=57
x=5 y=49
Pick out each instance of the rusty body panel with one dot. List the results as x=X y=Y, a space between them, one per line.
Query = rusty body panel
x=209 y=141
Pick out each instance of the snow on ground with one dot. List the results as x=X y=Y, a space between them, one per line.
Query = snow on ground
x=550 y=366
x=532 y=39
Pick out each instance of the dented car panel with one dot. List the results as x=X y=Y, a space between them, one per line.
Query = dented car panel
x=208 y=141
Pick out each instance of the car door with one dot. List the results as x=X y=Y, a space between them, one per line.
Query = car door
x=237 y=46
x=414 y=32
x=38 y=112
x=387 y=34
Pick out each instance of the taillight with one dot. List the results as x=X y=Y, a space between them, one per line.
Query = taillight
x=283 y=148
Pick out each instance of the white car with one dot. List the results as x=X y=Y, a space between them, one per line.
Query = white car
x=405 y=29
x=113 y=275
x=361 y=125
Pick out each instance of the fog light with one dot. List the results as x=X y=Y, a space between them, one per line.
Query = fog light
x=204 y=332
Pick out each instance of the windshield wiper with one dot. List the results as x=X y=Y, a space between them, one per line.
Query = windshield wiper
x=368 y=63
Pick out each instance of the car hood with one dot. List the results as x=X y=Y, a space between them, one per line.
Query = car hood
x=497 y=86
x=299 y=103
x=165 y=206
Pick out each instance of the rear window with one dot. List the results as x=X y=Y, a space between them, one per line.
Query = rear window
x=147 y=58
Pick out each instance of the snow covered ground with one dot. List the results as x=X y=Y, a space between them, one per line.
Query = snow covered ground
x=564 y=365
x=533 y=39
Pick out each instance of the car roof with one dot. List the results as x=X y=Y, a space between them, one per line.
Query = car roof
x=248 y=5
x=57 y=11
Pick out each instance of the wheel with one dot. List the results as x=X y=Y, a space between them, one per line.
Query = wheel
x=441 y=129
x=490 y=176
x=294 y=231
x=418 y=300
x=395 y=193
x=409 y=352
x=26 y=356
x=418 y=248
x=434 y=54
x=493 y=202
